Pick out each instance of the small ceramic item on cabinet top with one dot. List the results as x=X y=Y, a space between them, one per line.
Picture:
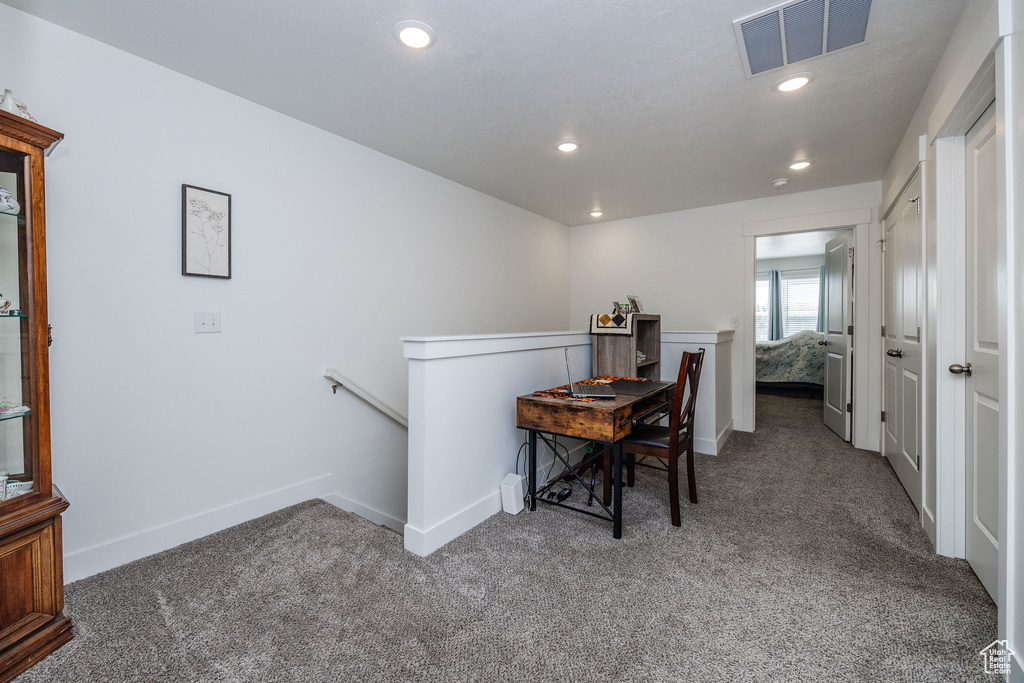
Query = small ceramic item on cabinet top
x=8 y=204
x=10 y=104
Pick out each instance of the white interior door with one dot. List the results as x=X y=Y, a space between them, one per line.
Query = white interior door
x=838 y=403
x=901 y=343
x=982 y=378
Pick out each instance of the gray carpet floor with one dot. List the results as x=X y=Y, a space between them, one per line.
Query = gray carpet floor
x=804 y=560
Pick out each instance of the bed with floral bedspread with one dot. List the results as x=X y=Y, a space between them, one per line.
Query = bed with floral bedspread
x=796 y=361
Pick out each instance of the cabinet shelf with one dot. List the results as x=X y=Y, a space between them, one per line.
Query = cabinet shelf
x=32 y=619
x=649 y=361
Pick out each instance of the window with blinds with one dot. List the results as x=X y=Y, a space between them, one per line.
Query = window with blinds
x=799 y=300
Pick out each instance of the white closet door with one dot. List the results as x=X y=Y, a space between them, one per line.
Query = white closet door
x=901 y=343
x=982 y=382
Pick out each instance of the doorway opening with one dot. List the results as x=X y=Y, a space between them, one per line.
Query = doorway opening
x=803 y=323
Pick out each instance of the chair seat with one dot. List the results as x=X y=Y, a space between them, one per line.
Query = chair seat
x=656 y=436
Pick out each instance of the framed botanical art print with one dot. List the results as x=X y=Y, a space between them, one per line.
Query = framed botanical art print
x=205 y=232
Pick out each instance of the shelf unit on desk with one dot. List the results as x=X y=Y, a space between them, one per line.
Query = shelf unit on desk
x=615 y=355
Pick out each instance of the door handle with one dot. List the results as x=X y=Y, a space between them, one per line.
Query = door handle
x=895 y=353
x=823 y=342
x=958 y=369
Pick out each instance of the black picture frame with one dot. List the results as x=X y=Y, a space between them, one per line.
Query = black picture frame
x=206 y=238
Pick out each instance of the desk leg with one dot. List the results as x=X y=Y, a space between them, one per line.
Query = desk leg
x=533 y=469
x=617 y=510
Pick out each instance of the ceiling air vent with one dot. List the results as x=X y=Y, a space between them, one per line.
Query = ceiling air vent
x=799 y=30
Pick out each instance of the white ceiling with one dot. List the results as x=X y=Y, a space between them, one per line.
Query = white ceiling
x=653 y=89
x=795 y=244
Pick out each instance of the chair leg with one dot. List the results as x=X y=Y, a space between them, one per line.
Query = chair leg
x=673 y=489
x=630 y=469
x=690 y=473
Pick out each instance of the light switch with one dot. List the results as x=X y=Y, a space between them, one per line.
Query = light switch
x=734 y=322
x=207 y=322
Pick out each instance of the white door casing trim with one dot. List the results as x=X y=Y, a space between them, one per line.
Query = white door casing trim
x=867 y=313
x=950 y=344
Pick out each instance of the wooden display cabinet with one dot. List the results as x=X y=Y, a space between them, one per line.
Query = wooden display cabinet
x=32 y=622
x=615 y=355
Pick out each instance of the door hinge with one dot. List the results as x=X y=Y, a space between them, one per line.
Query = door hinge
x=849 y=330
x=849 y=407
x=918 y=332
x=883 y=330
x=883 y=244
x=883 y=416
x=851 y=252
x=918 y=461
x=917 y=203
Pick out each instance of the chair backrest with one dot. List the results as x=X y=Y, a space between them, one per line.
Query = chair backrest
x=686 y=387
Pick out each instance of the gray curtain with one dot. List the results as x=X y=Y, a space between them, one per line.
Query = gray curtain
x=774 y=305
x=821 y=300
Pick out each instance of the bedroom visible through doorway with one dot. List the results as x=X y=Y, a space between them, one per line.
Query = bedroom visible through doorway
x=803 y=312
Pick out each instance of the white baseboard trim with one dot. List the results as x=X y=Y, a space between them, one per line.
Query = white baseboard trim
x=740 y=425
x=709 y=447
x=1016 y=668
x=873 y=444
x=98 y=558
x=375 y=516
x=723 y=436
x=705 y=446
x=422 y=542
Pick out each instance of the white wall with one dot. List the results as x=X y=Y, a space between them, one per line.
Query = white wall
x=1012 y=78
x=463 y=441
x=159 y=434
x=688 y=266
x=1009 y=60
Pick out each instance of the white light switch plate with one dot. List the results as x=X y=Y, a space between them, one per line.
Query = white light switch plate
x=207 y=322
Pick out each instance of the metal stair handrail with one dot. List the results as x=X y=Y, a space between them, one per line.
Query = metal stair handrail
x=341 y=380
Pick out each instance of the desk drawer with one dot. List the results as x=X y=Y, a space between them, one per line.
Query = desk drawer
x=582 y=420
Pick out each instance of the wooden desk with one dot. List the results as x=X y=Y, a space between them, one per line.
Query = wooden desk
x=606 y=421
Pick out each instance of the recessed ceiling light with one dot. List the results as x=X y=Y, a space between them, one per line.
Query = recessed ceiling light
x=800 y=165
x=414 y=34
x=597 y=214
x=780 y=182
x=568 y=145
x=793 y=82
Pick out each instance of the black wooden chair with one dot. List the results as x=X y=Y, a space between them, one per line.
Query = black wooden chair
x=669 y=442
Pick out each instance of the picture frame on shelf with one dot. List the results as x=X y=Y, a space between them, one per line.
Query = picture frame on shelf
x=205 y=232
x=634 y=303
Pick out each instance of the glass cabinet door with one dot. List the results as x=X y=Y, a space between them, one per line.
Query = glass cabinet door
x=17 y=457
